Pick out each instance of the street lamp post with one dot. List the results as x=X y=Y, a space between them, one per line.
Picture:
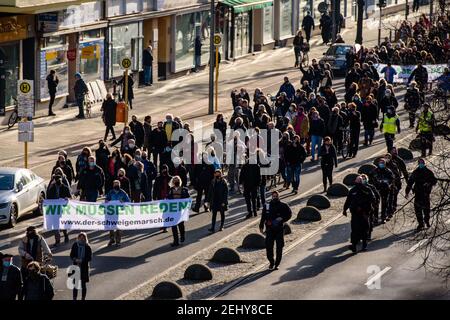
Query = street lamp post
x=359 y=25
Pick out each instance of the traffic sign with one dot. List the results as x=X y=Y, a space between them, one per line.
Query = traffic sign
x=26 y=131
x=218 y=39
x=25 y=98
x=126 y=63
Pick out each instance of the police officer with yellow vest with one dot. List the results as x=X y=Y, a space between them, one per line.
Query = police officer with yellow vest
x=390 y=126
x=425 y=128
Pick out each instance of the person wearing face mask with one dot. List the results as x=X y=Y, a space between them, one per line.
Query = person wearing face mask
x=383 y=178
x=159 y=142
x=389 y=100
x=178 y=191
x=328 y=160
x=32 y=247
x=421 y=183
x=291 y=112
x=179 y=169
x=92 y=181
x=109 y=108
x=62 y=164
x=275 y=214
x=138 y=129
x=294 y=155
x=147 y=146
x=369 y=116
x=151 y=172
x=425 y=127
x=82 y=161
x=218 y=200
x=169 y=128
x=124 y=181
x=374 y=207
x=161 y=186
x=390 y=127
x=102 y=155
x=250 y=178
x=130 y=148
x=116 y=194
x=316 y=132
x=334 y=126
x=37 y=286
x=11 y=278
x=59 y=190
x=203 y=175
x=81 y=255
x=358 y=200
x=125 y=136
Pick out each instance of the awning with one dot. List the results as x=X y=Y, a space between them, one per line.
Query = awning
x=246 y=5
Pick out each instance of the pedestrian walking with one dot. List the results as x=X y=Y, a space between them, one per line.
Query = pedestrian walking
x=81 y=90
x=412 y=102
x=130 y=89
x=358 y=201
x=369 y=115
x=295 y=155
x=81 y=256
x=250 y=178
x=425 y=127
x=316 y=132
x=92 y=181
x=218 y=200
x=421 y=183
x=197 y=53
x=124 y=139
x=116 y=194
x=328 y=160
x=11 y=281
x=203 y=175
x=383 y=178
x=159 y=142
x=275 y=214
x=36 y=285
x=147 y=135
x=52 y=84
x=298 y=46
x=55 y=191
x=308 y=25
x=178 y=191
x=109 y=109
x=390 y=127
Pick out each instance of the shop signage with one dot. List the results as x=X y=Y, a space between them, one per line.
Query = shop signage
x=51 y=55
x=71 y=54
x=15 y=28
x=88 y=52
x=172 y=4
x=48 y=22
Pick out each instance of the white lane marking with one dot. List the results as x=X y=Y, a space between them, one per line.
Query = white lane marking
x=4 y=244
x=377 y=276
x=417 y=245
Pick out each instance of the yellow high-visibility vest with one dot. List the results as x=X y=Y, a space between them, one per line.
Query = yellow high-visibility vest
x=389 y=124
x=425 y=121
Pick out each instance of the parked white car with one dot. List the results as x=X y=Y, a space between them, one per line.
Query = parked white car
x=21 y=191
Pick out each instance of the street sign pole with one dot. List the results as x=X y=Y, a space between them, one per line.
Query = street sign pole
x=217 y=79
x=211 y=52
x=25 y=110
x=126 y=64
x=26 y=154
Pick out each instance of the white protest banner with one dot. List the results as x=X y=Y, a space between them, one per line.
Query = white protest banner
x=403 y=72
x=77 y=215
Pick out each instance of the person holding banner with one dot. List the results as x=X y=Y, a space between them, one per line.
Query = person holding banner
x=116 y=194
x=177 y=191
x=59 y=190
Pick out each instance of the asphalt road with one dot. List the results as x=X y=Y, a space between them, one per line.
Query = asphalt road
x=145 y=254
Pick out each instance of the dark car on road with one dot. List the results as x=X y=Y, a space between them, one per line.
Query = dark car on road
x=336 y=57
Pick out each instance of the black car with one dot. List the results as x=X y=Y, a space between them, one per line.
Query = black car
x=336 y=57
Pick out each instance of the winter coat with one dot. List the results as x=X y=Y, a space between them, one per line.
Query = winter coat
x=109 y=108
x=294 y=155
x=369 y=115
x=317 y=128
x=84 y=265
x=218 y=195
x=250 y=176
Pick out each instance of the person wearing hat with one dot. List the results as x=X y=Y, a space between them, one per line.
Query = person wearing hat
x=32 y=247
x=275 y=214
x=80 y=89
x=11 y=278
x=59 y=190
x=218 y=199
x=357 y=201
x=421 y=183
x=390 y=127
x=425 y=127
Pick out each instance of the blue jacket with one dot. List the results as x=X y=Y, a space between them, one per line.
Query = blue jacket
x=117 y=196
x=389 y=73
x=289 y=89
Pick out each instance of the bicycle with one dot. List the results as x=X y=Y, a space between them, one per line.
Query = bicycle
x=345 y=150
x=14 y=117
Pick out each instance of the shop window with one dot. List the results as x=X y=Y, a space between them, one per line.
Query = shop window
x=286 y=18
x=268 y=24
x=90 y=55
x=126 y=41
x=10 y=54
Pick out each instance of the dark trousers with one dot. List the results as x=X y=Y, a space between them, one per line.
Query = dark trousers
x=416 y=5
x=394 y=197
x=389 y=138
x=58 y=235
x=115 y=236
x=308 y=35
x=50 y=104
x=108 y=130
x=360 y=228
x=176 y=237
x=83 y=291
x=427 y=143
x=198 y=199
x=412 y=119
x=368 y=135
x=274 y=237
x=422 y=208
x=261 y=199
x=327 y=174
x=155 y=158
x=385 y=205
x=297 y=52
x=80 y=104
x=250 y=195
x=89 y=195
x=354 y=142
x=214 y=217
x=337 y=140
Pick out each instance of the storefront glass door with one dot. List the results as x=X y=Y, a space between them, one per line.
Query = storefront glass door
x=242 y=41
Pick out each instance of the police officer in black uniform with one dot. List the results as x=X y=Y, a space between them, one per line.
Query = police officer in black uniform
x=397 y=185
x=382 y=178
x=375 y=206
x=275 y=214
x=358 y=198
x=421 y=182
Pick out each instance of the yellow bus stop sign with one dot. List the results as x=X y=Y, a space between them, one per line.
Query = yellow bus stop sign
x=217 y=40
x=25 y=87
x=126 y=63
